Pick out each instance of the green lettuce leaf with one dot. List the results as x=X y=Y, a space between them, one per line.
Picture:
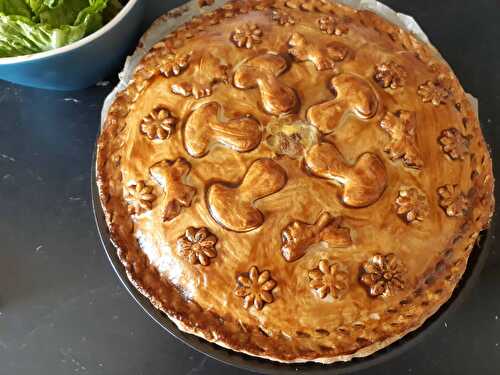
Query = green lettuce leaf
x=21 y=36
x=16 y=7
x=38 y=6
x=31 y=26
x=64 y=13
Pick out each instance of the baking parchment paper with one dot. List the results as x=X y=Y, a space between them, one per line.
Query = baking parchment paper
x=180 y=15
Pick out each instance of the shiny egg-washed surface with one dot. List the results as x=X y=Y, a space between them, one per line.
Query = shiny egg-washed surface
x=296 y=180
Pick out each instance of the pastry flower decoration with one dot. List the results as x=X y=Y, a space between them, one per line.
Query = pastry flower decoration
x=433 y=92
x=197 y=245
x=329 y=279
x=255 y=288
x=139 y=197
x=452 y=200
x=332 y=25
x=175 y=65
x=454 y=143
x=383 y=275
x=246 y=35
x=411 y=205
x=159 y=124
x=390 y=75
x=282 y=18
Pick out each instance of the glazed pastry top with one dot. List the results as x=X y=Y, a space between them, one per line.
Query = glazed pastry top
x=297 y=180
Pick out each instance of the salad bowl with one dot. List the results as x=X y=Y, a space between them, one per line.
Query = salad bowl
x=82 y=63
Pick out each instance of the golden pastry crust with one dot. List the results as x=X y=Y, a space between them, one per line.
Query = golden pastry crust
x=308 y=188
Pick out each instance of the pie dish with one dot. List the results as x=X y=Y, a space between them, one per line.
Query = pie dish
x=308 y=188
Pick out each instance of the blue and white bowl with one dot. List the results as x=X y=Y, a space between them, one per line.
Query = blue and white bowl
x=83 y=63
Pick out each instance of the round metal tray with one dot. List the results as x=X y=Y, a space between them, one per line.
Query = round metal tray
x=476 y=262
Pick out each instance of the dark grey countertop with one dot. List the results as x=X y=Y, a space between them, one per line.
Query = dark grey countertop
x=63 y=310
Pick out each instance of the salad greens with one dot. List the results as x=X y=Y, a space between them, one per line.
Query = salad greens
x=32 y=26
